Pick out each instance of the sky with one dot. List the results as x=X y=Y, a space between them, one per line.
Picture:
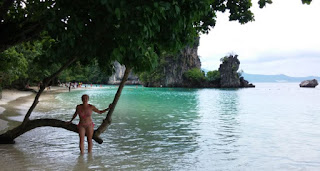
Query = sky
x=283 y=39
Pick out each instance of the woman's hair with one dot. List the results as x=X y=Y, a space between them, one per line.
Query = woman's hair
x=84 y=96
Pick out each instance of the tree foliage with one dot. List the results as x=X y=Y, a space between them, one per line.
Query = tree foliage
x=135 y=33
x=23 y=65
x=27 y=63
x=13 y=66
x=84 y=73
x=213 y=76
x=195 y=76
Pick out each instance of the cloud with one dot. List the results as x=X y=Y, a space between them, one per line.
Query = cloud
x=270 y=56
x=283 y=33
x=290 y=67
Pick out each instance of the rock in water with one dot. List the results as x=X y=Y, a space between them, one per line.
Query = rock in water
x=228 y=72
x=245 y=83
x=309 y=83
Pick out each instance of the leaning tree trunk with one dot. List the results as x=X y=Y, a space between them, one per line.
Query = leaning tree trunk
x=7 y=138
x=107 y=121
x=27 y=124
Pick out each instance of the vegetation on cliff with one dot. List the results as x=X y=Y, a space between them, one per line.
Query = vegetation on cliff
x=227 y=76
x=135 y=33
x=213 y=76
x=170 y=69
x=195 y=77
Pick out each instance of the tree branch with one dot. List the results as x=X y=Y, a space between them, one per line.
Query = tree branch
x=107 y=121
x=9 y=136
x=45 y=83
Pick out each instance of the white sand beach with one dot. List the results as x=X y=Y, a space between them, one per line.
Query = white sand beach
x=7 y=97
x=15 y=102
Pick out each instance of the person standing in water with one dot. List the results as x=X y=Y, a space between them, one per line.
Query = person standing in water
x=85 y=126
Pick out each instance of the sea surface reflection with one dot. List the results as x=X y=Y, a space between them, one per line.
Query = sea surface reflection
x=270 y=127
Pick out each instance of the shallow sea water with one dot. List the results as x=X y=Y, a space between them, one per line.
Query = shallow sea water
x=274 y=126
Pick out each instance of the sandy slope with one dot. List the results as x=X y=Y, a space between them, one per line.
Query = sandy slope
x=15 y=104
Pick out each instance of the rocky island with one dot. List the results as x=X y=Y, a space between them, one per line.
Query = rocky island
x=309 y=83
x=184 y=70
x=229 y=77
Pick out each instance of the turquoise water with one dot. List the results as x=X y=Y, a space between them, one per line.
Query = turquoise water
x=274 y=126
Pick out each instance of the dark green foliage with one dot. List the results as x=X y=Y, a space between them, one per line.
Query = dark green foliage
x=26 y=64
x=135 y=33
x=13 y=66
x=195 y=76
x=224 y=59
x=156 y=75
x=84 y=73
x=213 y=76
x=37 y=63
x=262 y=3
x=306 y=1
x=240 y=10
x=151 y=77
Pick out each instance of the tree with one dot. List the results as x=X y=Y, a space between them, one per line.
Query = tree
x=22 y=21
x=195 y=76
x=213 y=76
x=135 y=33
x=25 y=64
x=13 y=65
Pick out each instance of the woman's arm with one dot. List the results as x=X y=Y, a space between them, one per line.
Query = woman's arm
x=74 y=115
x=100 y=111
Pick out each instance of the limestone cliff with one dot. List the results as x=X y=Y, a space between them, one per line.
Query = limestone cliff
x=170 y=71
x=177 y=66
x=228 y=72
x=229 y=77
x=118 y=74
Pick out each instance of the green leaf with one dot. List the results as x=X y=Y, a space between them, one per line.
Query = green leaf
x=117 y=12
x=306 y=2
x=156 y=4
x=177 y=9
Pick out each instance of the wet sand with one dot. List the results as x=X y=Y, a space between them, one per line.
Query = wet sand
x=15 y=104
x=57 y=148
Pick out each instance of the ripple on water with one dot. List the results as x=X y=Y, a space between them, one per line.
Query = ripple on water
x=266 y=128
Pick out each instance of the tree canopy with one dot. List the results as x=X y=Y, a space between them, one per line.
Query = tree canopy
x=135 y=33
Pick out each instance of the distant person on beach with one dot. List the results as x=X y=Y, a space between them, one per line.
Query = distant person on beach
x=85 y=126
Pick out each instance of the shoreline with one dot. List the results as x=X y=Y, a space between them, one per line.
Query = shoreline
x=14 y=104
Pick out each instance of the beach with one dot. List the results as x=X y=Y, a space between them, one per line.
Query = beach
x=15 y=104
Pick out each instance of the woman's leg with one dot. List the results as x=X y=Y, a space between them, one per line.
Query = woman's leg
x=89 y=131
x=82 y=133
